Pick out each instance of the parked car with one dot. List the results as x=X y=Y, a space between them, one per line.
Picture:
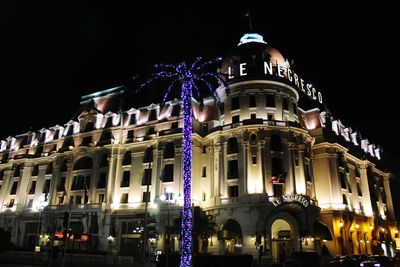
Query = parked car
x=377 y=261
x=343 y=261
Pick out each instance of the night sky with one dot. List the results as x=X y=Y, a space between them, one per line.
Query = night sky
x=53 y=54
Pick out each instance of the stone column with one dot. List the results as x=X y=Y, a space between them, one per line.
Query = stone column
x=243 y=185
x=291 y=165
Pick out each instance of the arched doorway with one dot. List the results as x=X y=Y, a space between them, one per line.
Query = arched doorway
x=282 y=240
x=230 y=234
x=282 y=236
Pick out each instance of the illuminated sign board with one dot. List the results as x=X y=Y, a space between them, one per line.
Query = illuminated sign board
x=303 y=200
x=282 y=72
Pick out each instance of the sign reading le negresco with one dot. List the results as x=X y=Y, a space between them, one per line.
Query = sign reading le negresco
x=283 y=72
x=303 y=200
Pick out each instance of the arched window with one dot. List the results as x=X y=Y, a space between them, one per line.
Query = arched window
x=169 y=150
x=276 y=142
x=127 y=158
x=83 y=164
x=232 y=145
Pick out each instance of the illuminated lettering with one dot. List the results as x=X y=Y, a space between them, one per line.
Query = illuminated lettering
x=230 y=76
x=313 y=93
x=296 y=79
x=319 y=97
x=303 y=200
x=268 y=68
x=242 y=68
x=309 y=89
x=289 y=75
x=280 y=71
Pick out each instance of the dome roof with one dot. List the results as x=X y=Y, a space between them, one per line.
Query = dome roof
x=254 y=51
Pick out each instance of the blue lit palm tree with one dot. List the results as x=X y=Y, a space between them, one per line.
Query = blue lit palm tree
x=189 y=78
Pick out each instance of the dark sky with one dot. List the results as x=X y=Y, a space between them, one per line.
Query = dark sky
x=53 y=54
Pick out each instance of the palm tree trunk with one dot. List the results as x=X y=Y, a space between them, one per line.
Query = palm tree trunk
x=186 y=229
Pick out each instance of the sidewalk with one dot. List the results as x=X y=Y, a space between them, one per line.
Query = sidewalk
x=69 y=260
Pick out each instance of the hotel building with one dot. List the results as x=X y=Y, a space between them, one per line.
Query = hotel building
x=274 y=177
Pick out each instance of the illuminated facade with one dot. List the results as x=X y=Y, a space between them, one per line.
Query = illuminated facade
x=276 y=178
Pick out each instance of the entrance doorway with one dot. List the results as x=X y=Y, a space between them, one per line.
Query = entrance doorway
x=282 y=240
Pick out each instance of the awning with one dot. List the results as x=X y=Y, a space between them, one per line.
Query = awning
x=322 y=231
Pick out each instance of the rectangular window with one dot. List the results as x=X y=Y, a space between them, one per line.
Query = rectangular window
x=204 y=171
x=125 y=179
x=124 y=198
x=342 y=180
x=174 y=125
x=11 y=203
x=277 y=168
x=46 y=186
x=78 y=199
x=130 y=134
x=14 y=188
x=153 y=115
x=235 y=103
x=359 y=191
x=270 y=101
x=32 y=188
x=61 y=184
x=344 y=199
x=222 y=108
x=233 y=171
x=60 y=200
x=233 y=191
x=151 y=131
x=278 y=190
x=270 y=117
x=235 y=119
x=204 y=150
x=30 y=204
x=146 y=197
x=307 y=172
x=348 y=185
x=101 y=183
x=252 y=103
x=285 y=104
x=146 y=179
x=168 y=173
x=132 y=119
x=101 y=198
x=203 y=196
x=254 y=160
x=253 y=116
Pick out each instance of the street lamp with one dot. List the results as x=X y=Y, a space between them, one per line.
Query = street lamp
x=40 y=207
x=168 y=195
